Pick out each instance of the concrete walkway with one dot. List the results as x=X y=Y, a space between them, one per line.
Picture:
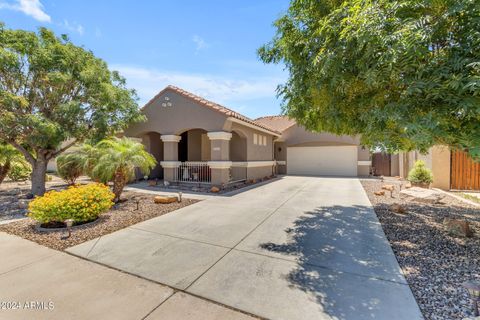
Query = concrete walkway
x=297 y=248
x=40 y=283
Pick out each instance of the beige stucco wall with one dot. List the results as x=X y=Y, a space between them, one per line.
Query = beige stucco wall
x=297 y=136
x=437 y=160
x=440 y=161
x=239 y=173
x=394 y=165
x=254 y=152
x=183 y=115
x=259 y=172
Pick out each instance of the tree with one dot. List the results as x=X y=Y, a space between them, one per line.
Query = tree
x=9 y=157
x=54 y=94
x=114 y=160
x=402 y=74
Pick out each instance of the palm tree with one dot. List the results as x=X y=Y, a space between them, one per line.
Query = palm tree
x=9 y=156
x=115 y=160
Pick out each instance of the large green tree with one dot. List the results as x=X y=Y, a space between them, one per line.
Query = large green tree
x=402 y=74
x=54 y=94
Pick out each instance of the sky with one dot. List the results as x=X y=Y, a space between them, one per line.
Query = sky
x=207 y=47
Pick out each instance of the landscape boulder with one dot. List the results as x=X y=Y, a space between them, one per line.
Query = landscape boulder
x=457 y=227
x=215 y=189
x=422 y=195
x=165 y=199
x=388 y=187
x=398 y=208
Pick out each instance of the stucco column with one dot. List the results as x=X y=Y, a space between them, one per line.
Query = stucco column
x=220 y=163
x=170 y=156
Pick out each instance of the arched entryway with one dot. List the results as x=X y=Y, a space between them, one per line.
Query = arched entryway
x=238 y=147
x=194 y=145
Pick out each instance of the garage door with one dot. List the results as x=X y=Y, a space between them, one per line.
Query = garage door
x=322 y=161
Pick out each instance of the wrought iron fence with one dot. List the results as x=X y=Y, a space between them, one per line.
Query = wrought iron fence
x=193 y=171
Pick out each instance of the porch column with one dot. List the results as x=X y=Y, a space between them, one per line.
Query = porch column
x=170 y=156
x=220 y=163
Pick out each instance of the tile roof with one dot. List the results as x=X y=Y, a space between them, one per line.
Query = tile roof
x=279 y=123
x=214 y=106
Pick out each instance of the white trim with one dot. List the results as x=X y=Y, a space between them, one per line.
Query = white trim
x=246 y=124
x=282 y=163
x=364 y=163
x=219 y=164
x=170 y=164
x=219 y=135
x=170 y=138
x=253 y=164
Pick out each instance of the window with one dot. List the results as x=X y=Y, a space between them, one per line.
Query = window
x=259 y=139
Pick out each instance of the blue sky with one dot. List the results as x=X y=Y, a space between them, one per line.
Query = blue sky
x=207 y=47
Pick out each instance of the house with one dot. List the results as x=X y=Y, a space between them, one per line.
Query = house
x=196 y=140
x=452 y=170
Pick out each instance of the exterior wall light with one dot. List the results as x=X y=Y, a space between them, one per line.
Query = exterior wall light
x=473 y=288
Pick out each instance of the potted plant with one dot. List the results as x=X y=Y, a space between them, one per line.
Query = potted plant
x=420 y=175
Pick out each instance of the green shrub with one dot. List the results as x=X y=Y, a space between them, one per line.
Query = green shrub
x=20 y=171
x=420 y=174
x=80 y=203
x=69 y=168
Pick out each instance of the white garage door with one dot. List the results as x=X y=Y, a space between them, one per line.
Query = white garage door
x=322 y=161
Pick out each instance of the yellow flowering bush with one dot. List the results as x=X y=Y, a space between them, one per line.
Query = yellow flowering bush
x=80 y=203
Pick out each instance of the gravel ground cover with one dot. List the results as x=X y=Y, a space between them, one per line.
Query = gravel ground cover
x=435 y=264
x=120 y=216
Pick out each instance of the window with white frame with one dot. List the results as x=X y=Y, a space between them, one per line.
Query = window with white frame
x=259 y=139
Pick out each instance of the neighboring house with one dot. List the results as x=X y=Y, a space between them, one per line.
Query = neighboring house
x=196 y=140
x=452 y=170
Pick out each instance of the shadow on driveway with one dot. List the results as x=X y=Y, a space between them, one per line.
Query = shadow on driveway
x=348 y=240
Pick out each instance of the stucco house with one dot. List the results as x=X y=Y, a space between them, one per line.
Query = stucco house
x=196 y=140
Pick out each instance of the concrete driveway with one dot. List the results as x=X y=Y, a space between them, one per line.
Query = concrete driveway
x=296 y=248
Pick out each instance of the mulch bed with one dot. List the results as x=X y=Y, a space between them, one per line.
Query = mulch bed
x=120 y=216
x=435 y=264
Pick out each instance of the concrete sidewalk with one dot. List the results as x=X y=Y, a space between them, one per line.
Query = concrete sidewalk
x=41 y=283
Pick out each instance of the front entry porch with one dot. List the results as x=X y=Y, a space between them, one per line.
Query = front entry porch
x=198 y=156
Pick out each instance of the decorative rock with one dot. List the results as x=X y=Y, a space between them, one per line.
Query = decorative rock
x=388 y=187
x=22 y=204
x=152 y=183
x=456 y=227
x=379 y=193
x=215 y=189
x=408 y=185
x=398 y=208
x=422 y=195
x=163 y=199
